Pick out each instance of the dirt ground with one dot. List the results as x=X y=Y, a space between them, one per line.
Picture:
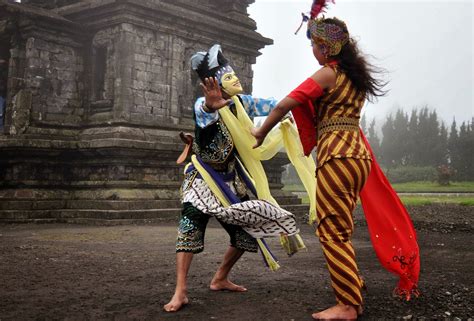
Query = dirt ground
x=72 y=272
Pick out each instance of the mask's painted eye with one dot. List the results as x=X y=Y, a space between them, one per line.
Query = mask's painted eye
x=228 y=77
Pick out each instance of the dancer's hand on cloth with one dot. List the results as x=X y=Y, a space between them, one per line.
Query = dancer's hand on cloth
x=288 y=116
x=213 y=95
x=259 y=137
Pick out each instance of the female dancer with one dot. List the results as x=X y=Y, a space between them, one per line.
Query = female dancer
x=338 y=91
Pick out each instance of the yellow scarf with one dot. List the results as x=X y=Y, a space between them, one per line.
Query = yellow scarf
x=287 y=136
x=239 y=128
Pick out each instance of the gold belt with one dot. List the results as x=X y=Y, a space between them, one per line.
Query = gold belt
x=339 y=123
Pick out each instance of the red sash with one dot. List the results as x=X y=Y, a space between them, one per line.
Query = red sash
x=391 y=229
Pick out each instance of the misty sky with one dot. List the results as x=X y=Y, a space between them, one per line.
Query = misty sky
x=427 y=47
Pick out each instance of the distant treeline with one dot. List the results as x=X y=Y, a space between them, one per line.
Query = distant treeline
x=421 y=140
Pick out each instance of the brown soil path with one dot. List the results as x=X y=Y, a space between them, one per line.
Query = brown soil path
x=56 y=272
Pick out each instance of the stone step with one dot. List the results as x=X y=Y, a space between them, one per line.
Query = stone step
x=69 y=214
x=85 y=221
x=121 y=216
x=143 y=204
x=300 y=210
x=106 y=212
x=123 y=204
x=28 y=204
x=288 y=200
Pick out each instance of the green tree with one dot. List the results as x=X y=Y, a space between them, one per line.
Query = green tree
x=442 y=153
x=428 y=133
x=386 y=147
x=374 y=140
x=453 y=153
x=413 y=137
x=423 y=140
x=465 y=151
x=400 y=137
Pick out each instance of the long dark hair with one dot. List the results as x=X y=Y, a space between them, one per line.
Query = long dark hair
x=355 y=65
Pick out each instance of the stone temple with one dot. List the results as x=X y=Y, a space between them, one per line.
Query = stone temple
x=96 y=93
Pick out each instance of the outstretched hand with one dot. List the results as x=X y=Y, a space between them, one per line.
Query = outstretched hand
x=212 y=93
x=258 y=137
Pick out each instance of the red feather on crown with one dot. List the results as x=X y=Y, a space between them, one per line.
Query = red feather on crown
x=318 y=7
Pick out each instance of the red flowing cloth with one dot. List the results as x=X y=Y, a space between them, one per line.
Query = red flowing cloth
x=391 y=230
x=390 y=227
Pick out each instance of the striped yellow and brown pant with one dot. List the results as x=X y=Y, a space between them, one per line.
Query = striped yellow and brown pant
x=339 y=182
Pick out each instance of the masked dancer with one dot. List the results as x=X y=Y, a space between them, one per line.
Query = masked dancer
x=217 y=182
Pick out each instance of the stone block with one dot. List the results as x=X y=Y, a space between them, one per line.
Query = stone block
x=141 y=66
x=141 y=85
x=142 y=109
x=28 y=194
x=138 y=118
x=142 y=58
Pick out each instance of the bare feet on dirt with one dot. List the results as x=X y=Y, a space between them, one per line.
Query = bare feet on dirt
x=337 y=312
x=226 y=285
x=177 y=302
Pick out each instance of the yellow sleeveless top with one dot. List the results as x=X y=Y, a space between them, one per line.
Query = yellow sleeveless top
x=337 y=117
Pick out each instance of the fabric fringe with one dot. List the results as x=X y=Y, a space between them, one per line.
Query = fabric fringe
x=406 y=295
x=292 y=244
x=268 y=258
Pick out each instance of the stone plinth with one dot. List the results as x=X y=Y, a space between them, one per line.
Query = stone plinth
x=97 y=94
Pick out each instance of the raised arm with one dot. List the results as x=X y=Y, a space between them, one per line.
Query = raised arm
x=257 y=107
x=310 y=89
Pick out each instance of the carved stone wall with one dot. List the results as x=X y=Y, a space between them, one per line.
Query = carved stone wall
x=54 y=76
x=97 y=94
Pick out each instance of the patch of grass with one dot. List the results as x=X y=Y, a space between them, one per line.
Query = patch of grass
x=426 y=200
x=413 y=187
x=434 y=187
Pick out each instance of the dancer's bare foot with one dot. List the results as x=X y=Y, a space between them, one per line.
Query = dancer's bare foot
x=178 y=301
x=222 y=285
x=337 y=312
